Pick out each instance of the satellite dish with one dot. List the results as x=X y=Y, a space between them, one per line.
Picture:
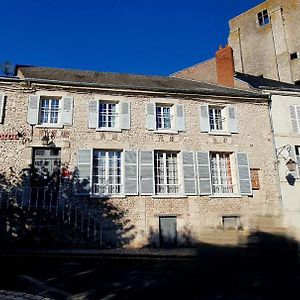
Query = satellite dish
x=7 y=68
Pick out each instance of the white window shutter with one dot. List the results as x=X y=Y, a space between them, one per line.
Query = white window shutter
x=150 y=116
x=124 y=115
x=33 y=110
x=189 y=178
x=244 y=174
x=93 y=114
x=67 y=110
x=204 y=176
x=204 y=118
x=180 y=120
x=84 y=177
x=232 y=119
x=131 y=172
x=2 y=105
x=294 y=120
x=146 y=173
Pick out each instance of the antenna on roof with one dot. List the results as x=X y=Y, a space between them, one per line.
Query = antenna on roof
x=7 y=68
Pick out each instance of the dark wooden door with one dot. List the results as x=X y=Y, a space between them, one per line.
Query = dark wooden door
x=168 y=232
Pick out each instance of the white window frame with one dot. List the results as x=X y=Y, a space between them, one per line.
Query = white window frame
x=172 y=119
x=166 y=186
x=49 y=124
x=106 y=193
x=233 y=176
x=224 y=119
x=117 y=116
x=265 y=18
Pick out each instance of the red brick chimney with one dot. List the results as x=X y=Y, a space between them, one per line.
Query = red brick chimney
x=225 y=66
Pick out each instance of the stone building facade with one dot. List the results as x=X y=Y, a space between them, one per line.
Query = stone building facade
x=173 y=158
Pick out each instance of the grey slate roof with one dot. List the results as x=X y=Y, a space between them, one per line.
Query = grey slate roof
x=129 y=81
x=261 y=82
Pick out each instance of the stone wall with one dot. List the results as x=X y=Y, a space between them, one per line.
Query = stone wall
x=195 y=215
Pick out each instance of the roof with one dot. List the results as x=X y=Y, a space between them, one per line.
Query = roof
x=261 y=82
x=128 y=81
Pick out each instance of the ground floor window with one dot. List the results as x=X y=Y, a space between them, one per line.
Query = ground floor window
x=297 y=150
x=221 y=174
x=166 y=172
x=107 y=172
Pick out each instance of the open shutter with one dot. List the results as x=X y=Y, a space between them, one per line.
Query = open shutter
x=146 y=173
x=232 y=119
x=93 y=114
x=124 y=115
x=204 y=118
x=2 y=104
x=67 y=110
x=33 y=110
x=189 y=178
x=84 y=180
x=244 y=174
x=294 y=120
x=180 y=120
x=204 y=178
x=150 y=118
x=131 y=172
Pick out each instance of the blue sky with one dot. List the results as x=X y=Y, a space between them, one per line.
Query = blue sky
x=155 y=37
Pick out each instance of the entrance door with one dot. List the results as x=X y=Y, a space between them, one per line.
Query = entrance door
x=45 y=178
x=168 y=231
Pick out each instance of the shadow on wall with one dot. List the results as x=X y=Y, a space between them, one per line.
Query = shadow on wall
x=36 y=213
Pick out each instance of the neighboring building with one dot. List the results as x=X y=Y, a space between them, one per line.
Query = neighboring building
x=285 y=114
x=264 y=41
x=172 y=159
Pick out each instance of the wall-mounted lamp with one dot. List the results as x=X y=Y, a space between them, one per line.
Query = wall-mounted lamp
x=291 y=165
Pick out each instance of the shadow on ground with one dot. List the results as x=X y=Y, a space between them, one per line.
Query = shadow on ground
x=265 y=268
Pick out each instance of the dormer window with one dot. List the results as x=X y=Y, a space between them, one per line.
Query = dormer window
x=263 y=18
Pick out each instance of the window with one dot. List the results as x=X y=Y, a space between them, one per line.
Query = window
x=221 y=174
x=216 y=118
x=163 y=117
x=49 y=111
x=166 y=172
x=107 y=173
x=294 y=55
x=231 y=222
x=295 y=118
x=297 y=150
x=263 y=18
x=297 y=82
x=107 y=115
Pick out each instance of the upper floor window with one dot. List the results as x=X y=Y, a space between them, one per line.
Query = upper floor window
x=109 y=115
x=218 y=119
x=294 y=55
x=166 y=172
x=295 y=118
x=297 y=150
x=165 y=117
x=221 y=174
x=49 y=111
x=263 y=18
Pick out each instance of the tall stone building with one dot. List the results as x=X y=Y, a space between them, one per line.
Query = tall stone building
x=266 y=40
